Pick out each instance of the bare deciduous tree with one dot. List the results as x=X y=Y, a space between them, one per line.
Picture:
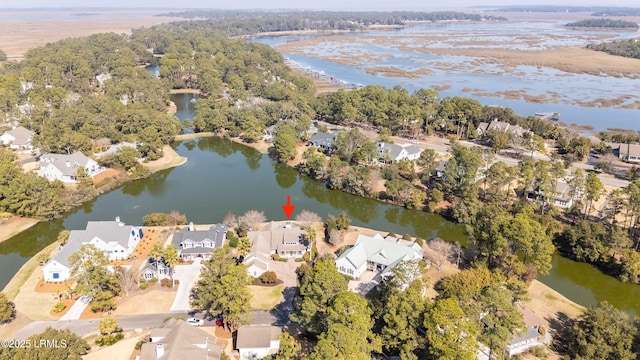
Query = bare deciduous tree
x=307 y=218
x=440 y=252
x=335 y=237
x=251 y=219
x=129 y=278
x=230 y=220
x=175 y=218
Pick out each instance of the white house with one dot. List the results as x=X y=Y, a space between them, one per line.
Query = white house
x=563 y=197
x=323 y=141
x=257 y=264
x=18 y=139
x=115 y=147
x=377 y=254
x=193 y=243
x=114 y=238
x=535 y=335
x=393 y=152
x=629 y=152
x=257 y=341
x=64 y=167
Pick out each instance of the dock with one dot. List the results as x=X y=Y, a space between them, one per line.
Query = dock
x=555 y=116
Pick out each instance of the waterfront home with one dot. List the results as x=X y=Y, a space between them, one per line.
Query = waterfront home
x=563 y=196
x=501 y=126
x=392 y=152
x=19 y=139
x=269 y=133
x=116 y=239
x=192 y=244
x=64 y=167
x=323 y=141
x=177 y=340
x=285 y=239
x=257 y=341
x=534 y=335
x=378 y=254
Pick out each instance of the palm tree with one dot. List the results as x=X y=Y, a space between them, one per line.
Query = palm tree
x=155 y=253
x=171 y=259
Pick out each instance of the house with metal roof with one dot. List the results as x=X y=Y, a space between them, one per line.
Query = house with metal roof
x=192 y=244
x=378 y=254
x=257 y=341
x=116 y=239
x=64 y=167
x=177 y=340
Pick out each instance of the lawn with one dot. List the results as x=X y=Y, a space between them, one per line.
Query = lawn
x=266 y=298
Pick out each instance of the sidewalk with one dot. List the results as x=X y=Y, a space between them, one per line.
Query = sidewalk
x=77 y=309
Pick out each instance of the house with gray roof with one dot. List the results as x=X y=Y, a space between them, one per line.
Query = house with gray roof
x=19 y=139
x=377 y=254
x=116 y=239
x=192 y=244
x=392 y=152
x=323 y=141
x=501 y=126
x=257 y=341
x=177 y=340
x=563 y=196
x=285 y=239
x=257 y=264
x=629 y=152
x=64 y=167
x=150 y=271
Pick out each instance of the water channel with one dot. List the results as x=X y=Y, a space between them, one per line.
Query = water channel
x=221 y=176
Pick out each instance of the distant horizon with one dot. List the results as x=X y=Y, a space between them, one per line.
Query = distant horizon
x=330 y=5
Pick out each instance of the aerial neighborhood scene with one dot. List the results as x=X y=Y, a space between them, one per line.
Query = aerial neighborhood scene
x=329 y=180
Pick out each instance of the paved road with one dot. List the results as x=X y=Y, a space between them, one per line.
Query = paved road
x=89 y=326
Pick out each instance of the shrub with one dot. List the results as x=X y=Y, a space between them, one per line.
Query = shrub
x=234 y=242
x=540 y=352
x=406 y=237
x=176 y=282
x=59 y=306
x=299 y=259
x=307 y=256
x=283 y=259
x=314 y=252
x=419 y=241
x=155 y=219
x=392 y=235
x=165 y=282
x=144 y=284
x=108 y=340
x=268 y=277
x=154 y=280
x=242 y=233
x=275 y=257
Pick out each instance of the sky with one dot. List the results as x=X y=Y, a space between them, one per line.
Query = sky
x=320 y=4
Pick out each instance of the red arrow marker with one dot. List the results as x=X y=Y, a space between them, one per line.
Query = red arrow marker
x=288 y=209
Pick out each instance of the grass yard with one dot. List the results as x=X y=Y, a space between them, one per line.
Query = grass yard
x=266 y=298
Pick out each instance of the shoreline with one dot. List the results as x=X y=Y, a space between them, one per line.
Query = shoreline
x=15 y=226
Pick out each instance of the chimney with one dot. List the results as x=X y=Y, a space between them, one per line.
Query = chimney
x=159 y=350
x=68 y=163
x=287 y=225
x=191 y=226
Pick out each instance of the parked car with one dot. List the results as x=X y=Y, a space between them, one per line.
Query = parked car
x=219 y=321
x=195 y=321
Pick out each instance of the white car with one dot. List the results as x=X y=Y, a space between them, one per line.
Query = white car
x=195 y=321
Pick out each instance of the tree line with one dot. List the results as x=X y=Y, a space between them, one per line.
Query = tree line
x=604 y=23
x=236 y=23
x=628 y=48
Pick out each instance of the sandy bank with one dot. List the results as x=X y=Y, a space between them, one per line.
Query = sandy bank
x=168 y=160
x=15 y=225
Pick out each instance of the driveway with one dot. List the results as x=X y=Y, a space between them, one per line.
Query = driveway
x=76 y=309
x=368 y=280
x=188 y=276
x=286 y=271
